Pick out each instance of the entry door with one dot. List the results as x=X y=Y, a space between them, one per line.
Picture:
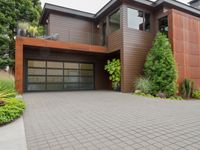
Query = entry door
x=59 y=76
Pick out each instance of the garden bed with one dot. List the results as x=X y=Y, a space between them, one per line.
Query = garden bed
x=11 y=108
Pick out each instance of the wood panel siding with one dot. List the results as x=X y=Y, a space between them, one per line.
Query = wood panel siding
x=185 y=36
x=73 y=29
x=115 y=41
x=133 y=55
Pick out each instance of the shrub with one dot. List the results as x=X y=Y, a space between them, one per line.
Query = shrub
x=7 y=89
x=186 y=88
x=160 y=67
x=144 y=85
x=114 y=69
x=12 y=109
x=196 y=94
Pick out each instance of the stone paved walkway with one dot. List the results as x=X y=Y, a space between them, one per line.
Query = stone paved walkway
x=98 y=120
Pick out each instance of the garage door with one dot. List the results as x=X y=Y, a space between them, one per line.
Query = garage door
x=59 y=76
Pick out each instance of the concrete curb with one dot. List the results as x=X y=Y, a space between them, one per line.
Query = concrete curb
x=13 y=136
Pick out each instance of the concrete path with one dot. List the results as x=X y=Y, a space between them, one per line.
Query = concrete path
x=12 y=136
x=97 y=120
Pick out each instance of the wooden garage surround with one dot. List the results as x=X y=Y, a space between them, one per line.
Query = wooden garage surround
x=24 y=41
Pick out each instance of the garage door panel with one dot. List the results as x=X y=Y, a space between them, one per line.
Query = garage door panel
x=54 y=72
x=58 y=76
x=71 y=86
x=36 y=79
x=71 y=79
x=54 y=87
x=71 y=65
x=86 y=72
x=34 y=63
x=54 y=79
x=54 y=64
x=36 y=71
x=36 y=87
x=71 y=72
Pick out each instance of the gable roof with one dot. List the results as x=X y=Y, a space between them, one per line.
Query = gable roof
x=49 y=8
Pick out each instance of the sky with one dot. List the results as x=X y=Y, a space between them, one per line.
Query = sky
x=91 y=6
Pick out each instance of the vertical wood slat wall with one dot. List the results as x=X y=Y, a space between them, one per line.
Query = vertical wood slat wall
x=136 y=45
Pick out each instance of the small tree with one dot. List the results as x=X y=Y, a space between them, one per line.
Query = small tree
x=114 y=69
x=160 y=67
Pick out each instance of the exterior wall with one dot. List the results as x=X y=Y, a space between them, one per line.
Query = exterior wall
x=73 y=29
x=185 y=36
x=99 y=60
x=49 y=44
x=115 y=41
x=133 y=54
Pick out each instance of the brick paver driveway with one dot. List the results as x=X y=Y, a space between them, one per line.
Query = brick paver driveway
x=109 y=121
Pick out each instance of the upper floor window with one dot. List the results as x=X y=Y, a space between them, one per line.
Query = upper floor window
x=114 y=21
x=138 y=19
x=163 y=25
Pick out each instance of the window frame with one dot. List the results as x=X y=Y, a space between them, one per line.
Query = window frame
x=109 y=17
x=144 y=13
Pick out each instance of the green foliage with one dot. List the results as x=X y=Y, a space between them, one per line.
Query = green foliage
x=151 y=96
x=186 y=88
x=160 y=67
x=6 y=61
x=7 y=89
x=23 y=25
x=196 y=94
x=12 y=109
x=144 y=85
x=114 y=69
x=12 y=11
x=33 y=30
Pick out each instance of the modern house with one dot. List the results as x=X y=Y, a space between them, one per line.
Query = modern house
x=122 y=29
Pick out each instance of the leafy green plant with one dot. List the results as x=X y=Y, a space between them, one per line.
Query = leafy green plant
x=113 y=67
x=160 y=67
x=196 y=94
x=144 y=85
x=12 y=109
x=33 y=30
x=186 y=88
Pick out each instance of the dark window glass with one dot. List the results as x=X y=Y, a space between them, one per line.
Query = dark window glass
x=114 y=21
x=147 y=22
x=163 y=25
x=104 y=34
x=138 y=19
